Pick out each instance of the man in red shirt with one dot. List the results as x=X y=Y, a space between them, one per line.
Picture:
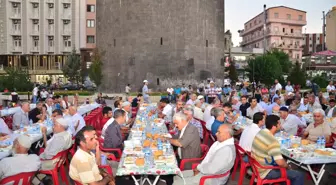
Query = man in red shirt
x=107 y=114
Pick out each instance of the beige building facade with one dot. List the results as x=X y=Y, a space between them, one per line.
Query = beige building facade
x=331 y=29
x=283 y=31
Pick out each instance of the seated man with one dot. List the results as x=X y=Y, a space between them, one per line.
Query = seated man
x=244 y=106
x=21 y=161
x=35 y=114
x=113 y=137
x=219 y=120
x=107 y=114
x=289 y=122
x=187 y=140
x=84 y=164
x=60 y=141
x=136 y=101
x=251 y=131
x=77 y=120
x=167 y=111
x=189 y=112
x=266 y=150
x=254 y=108
x=21 y=117
x=100 y=99
x=198 y=113
x=219 y=160
x=318 y=128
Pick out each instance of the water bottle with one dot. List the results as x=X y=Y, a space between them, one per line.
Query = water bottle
x=30 y=122
x=21 y=126
x=288 y=142
x=103 y=159
x=244 y=120
x=160 y=147
x=147 y=157
x=323 y=142
x=318 y=143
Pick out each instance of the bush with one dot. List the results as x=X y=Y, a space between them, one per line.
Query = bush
x=61 y=93
x=321 y=81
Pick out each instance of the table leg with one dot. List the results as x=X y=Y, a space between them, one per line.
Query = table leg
x=318 y=176
x=135 y=180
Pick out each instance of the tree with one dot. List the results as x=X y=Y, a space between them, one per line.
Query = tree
x=16 y=78
x=283 y=58
x=95 y=70
x=297 y=75
x=265 y=68
x=320 y=80
x=233 y=72
x=72 y=67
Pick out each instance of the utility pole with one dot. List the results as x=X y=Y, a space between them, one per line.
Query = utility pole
x=323 y=31
x=265 y=18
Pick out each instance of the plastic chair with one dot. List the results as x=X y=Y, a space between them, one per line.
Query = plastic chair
x=243 y=165
x=113 y=150
x=206 y=177
x=205 y=150
x=332 y=141
x=108 y=170
x=61 y=158
x=15 y=179
x=256 y=165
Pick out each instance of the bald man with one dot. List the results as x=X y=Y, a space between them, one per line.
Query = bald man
x=77 y=121
x=218 y=160
x=21 y=116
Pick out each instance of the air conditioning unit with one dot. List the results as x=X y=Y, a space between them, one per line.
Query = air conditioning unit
x=66 y=21
x=16 y=21
x=66 y=5
x=35 y=21
x=35 y=38
x=51 y=38
x=51 y=21
x=51 y=5
x=35 y=5
x=15 y=5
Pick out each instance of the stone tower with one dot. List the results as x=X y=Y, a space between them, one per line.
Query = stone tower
x=164 y=41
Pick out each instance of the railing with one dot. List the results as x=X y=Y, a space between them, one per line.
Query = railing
x=15 y=32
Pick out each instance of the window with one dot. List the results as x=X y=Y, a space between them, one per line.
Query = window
x=292 y=30
x=276 y=15
x=67 y=43
x=309 y=38
x=206 y=43
x=90 y=39
x=284 y=30
x=90 y=8
x=289 y=16
x=310 y=45
x=161 y=41
x=297 y=56
x=114 y=42
x=250 y=25
x=90 y=23
x=17 y=27
x=35 y=43
x=50 y=43
x=17 y=43
x=300 y=17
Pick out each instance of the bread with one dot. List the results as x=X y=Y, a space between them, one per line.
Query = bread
x=156 y=136
x=323 y=152
x=295 y=145
x=157 y=120
x=305 y=142
x=149 y=135
x=158 y=153
x=146 y=143
x=140 y=161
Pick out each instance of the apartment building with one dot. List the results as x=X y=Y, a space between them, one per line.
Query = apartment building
x=283 y=31
x=331 y=29
x=39 y=34
x=312 y=42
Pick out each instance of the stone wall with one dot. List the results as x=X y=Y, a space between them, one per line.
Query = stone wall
x=162 y=41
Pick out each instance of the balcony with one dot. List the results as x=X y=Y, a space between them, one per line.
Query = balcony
x=15 y=1
x=35 y=32
x=15 y=15
x=15 y=32
x=66 y=32
x=34 y=1
x=17 y=49
x=287 y=21
x=66 y=1
x=287 y=46
x=49 y=1
x=35 y=49
x=67 y=49
x=66 y=16
x=278 y=33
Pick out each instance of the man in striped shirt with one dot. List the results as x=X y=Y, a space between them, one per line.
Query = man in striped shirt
x=266 y=150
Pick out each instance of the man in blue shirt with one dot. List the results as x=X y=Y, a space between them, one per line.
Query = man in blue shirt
x=227 y=90
x=219 y=119
x=177 y=90
x=145 y=92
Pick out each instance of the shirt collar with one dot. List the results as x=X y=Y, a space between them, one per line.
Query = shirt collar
x=89 y=155
x=224 y=143
x=19 y=155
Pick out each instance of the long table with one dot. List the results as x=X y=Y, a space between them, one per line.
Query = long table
x=34 y=131
x=141 y=145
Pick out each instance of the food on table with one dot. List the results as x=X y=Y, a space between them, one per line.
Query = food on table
x=156 y=136
x=157 y=120
x=25 y=129
x=305 y=142
x=154 y=144
x=140 y=161
x=4 y=138
x=3 y=146
x=137 y=149
x=145 y=105
x=150 y=114
x=138 y=121
x=324 y=152
x=146 y=143
x=158 y=153
x=303 y=113
x=129 y=160
x=149 y=135
x=295 y=145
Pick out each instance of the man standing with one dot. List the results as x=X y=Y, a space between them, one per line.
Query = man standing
x=331 y=87
x=278 y=86
x=77 y=121
x=266 y=150
x=21 y=161
x=289 y=88
x=187 y=140
x=219 y=160
x=100 y=99
x=170 y=91
x=145 y=91
x=127 y=90
x=21 y=116
x=35 y=91
x=44 y=94
x=211 y=92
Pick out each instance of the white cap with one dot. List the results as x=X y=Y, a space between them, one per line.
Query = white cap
x=24 y=141
x=200 y=97
x=290 y=93
x=212 y=82
x=145 y=81
x=62 y=122
x=125 y=103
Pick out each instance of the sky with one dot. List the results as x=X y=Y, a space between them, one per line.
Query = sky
x=237 y=12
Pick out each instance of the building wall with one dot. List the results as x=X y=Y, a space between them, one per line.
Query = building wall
x=312 y=43
x=331 y=29
x=160 y=41
x=283 y=31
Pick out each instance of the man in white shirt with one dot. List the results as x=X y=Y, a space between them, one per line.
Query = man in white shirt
x=304 y=106
x=289 y=88
x=247 y=137
x=235 y=103
x=289 y=122
x=219 y=160
x=77 y=120
x=127 y=89
x=331 y=87
x=21 y=161
x=254 y=108
x=192 y=99
x=330 y=108
x=49 y=105
x=198 y=113
x=313 y=104
x=4 y=130
x=278 y=86
x=65 y=102
x=167 y=112
x=35 y=91
x=170 y=91
x=208 y=117
x=44 y=94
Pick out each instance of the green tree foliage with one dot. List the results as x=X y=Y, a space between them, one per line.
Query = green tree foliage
x=297 y=75
x=72 y=67
x=320 y=80
x=16 y=78
x=233 y=72
x=95 y=70
x=283 y=58
x=264 y=68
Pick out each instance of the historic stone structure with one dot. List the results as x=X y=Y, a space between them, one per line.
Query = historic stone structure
x=163 y=41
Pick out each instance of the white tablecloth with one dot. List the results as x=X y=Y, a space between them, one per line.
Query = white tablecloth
x=37 y=135
x=11 y=111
